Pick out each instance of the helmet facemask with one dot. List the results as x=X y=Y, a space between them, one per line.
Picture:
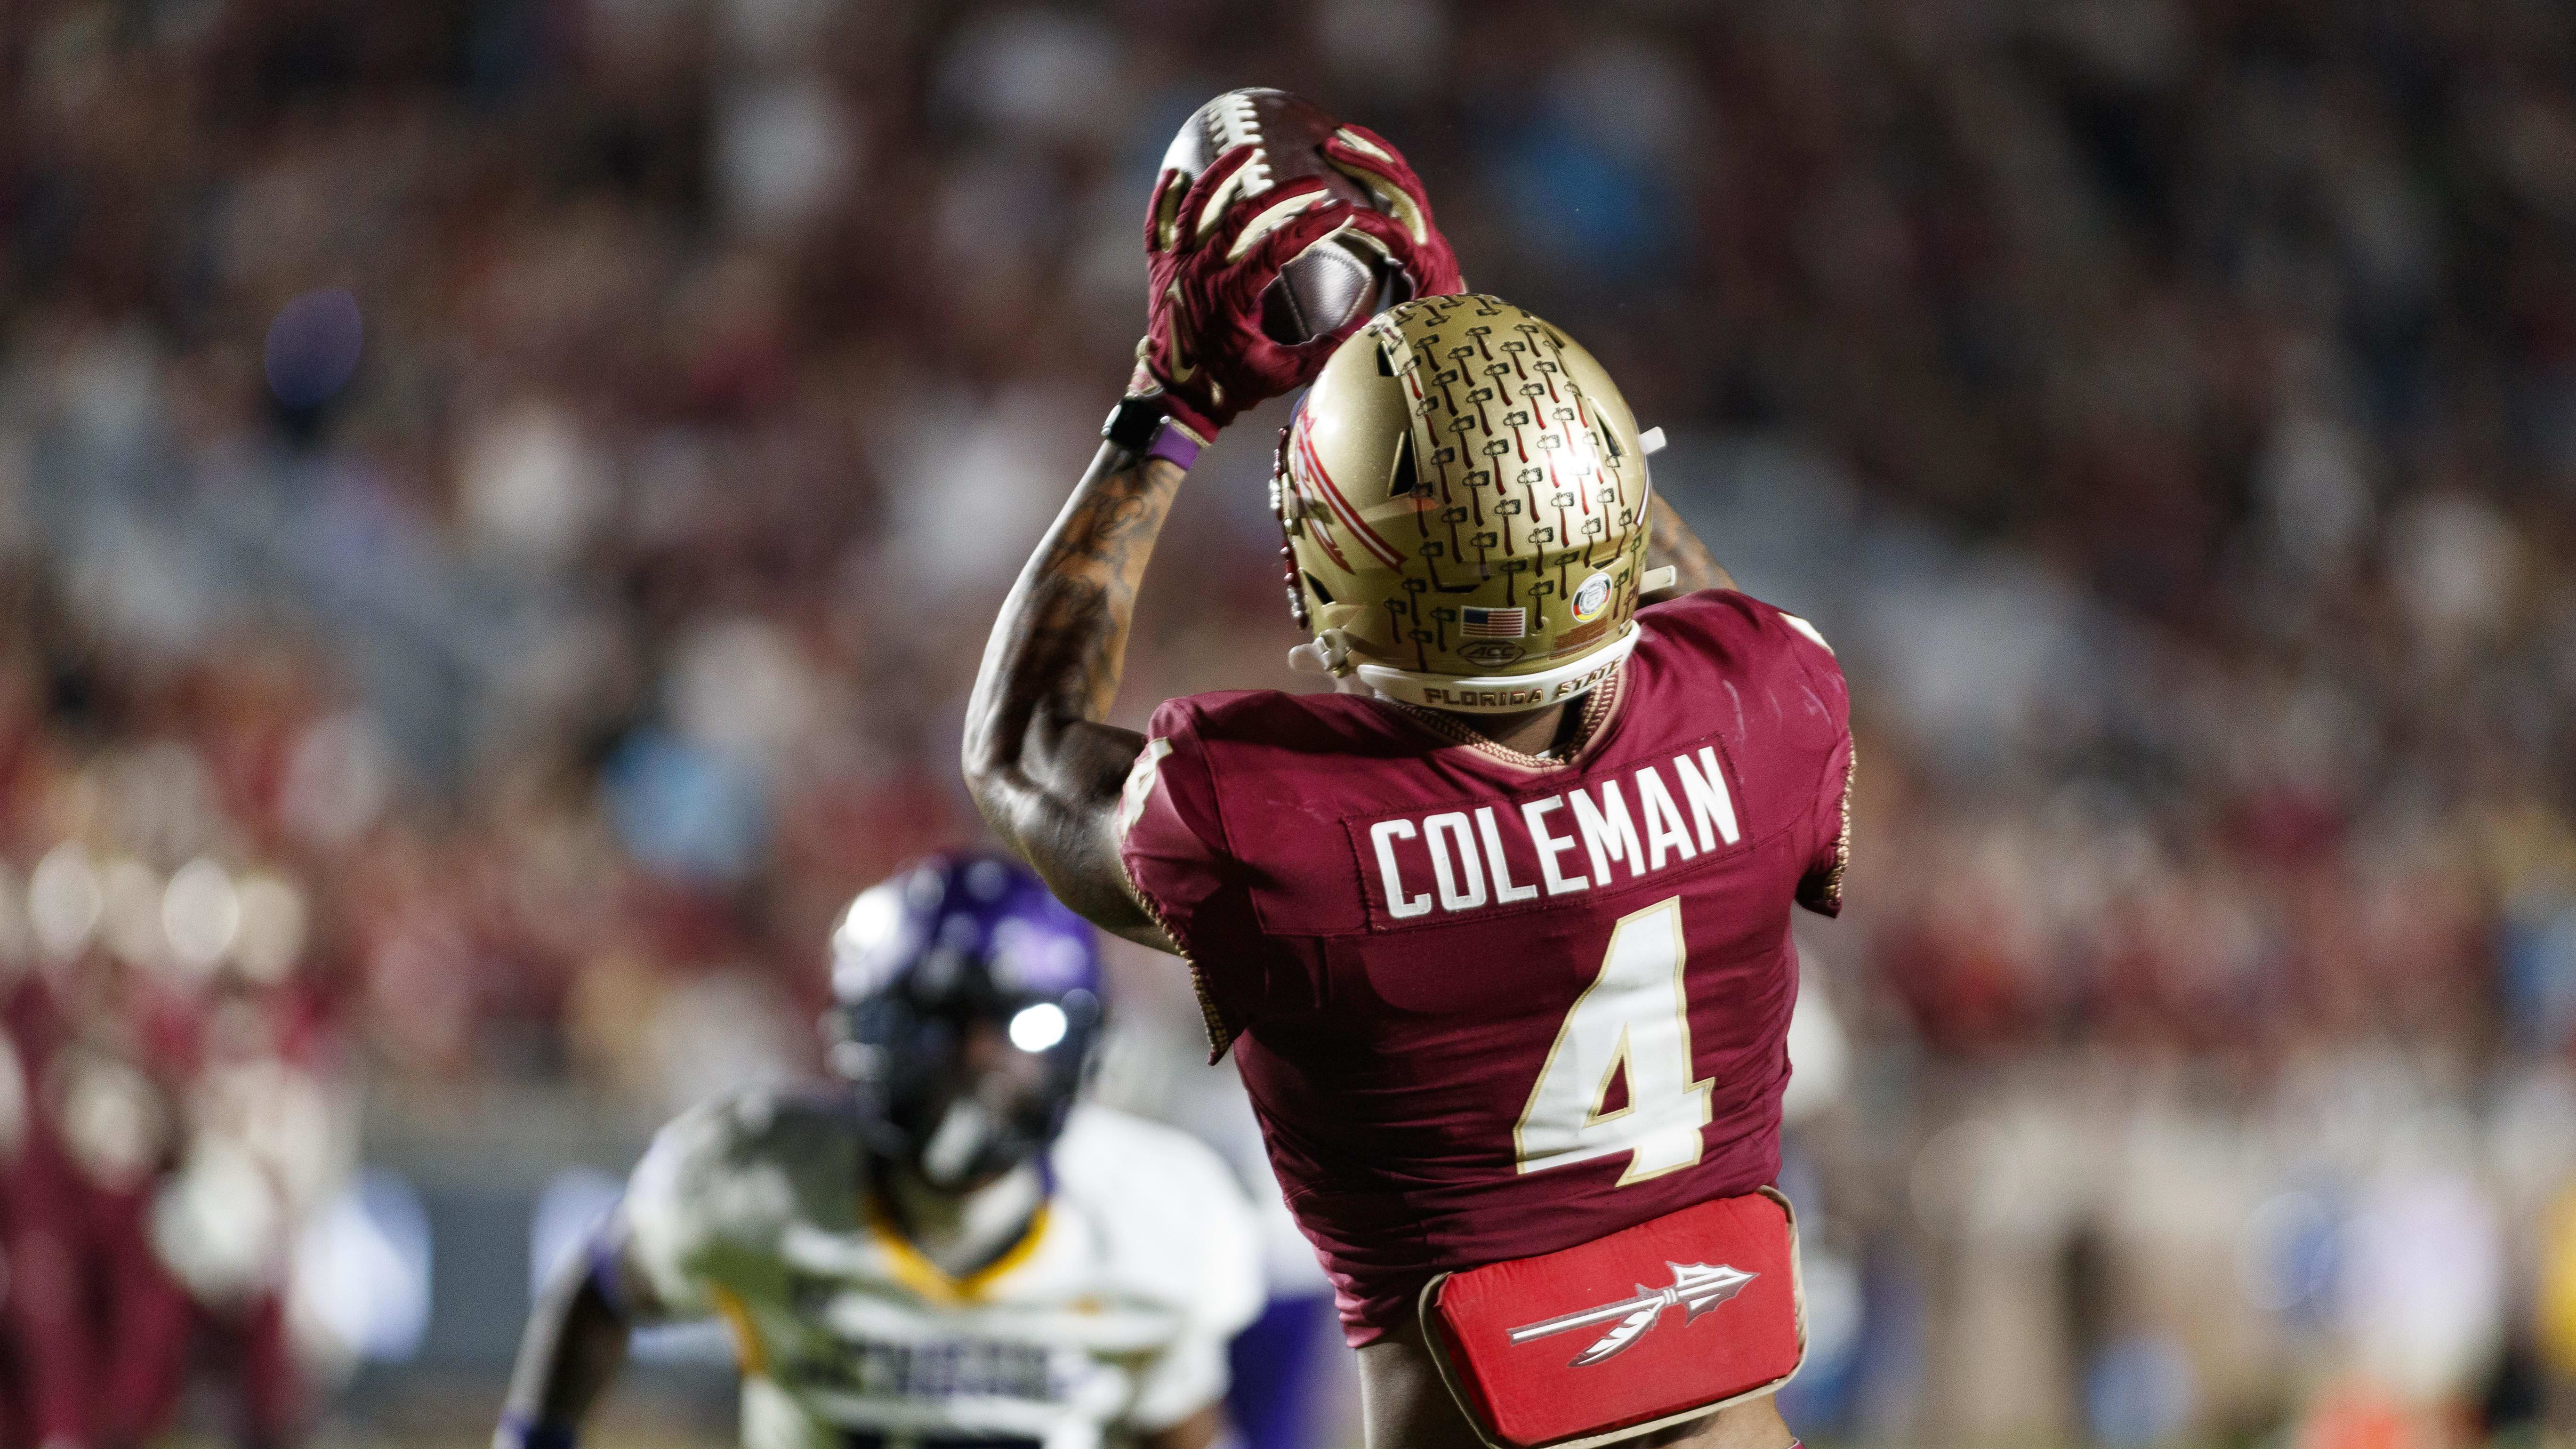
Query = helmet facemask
x=967 y=1016
x=960 y=1091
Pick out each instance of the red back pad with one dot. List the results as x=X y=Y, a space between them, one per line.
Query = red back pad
x=1535 y=1391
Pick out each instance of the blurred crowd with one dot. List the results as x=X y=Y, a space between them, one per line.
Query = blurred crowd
x=500 y=501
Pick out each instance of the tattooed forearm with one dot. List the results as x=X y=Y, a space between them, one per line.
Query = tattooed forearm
x=1044 y=769
x=1060 y=645
x=1088 y=579
x=1671 y=542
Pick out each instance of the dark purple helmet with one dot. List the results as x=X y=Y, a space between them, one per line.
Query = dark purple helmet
x=967 y=1005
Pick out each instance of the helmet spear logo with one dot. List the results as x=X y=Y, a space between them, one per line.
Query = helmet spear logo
x=1696 y=1288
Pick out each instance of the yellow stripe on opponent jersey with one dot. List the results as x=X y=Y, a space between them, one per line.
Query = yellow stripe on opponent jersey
x=747 y=1350
x=931 y=1281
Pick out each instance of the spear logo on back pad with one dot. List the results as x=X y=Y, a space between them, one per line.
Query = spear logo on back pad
x=1696 y=1288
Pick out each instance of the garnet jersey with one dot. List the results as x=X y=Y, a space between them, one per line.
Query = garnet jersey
x=1487 y=1005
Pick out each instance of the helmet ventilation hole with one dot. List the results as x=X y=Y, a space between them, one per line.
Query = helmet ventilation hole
x=1404 y=483
x=1316 y=587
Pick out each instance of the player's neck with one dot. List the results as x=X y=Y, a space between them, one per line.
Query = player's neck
x=961 y=1232
x=1543 y=731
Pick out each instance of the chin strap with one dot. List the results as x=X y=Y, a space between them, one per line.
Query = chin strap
x=1327 y=653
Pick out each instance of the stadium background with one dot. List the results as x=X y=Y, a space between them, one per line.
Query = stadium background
x=500 y=501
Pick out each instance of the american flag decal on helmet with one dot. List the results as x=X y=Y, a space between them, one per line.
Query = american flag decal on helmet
x=1493 y=623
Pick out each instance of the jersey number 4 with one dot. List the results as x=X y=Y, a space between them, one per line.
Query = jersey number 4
x=1629 y=1029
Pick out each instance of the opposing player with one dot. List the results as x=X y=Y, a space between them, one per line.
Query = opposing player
x=1500 y=931
x=944 y=1250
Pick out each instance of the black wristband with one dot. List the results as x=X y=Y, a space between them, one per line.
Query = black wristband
x=1135 y=422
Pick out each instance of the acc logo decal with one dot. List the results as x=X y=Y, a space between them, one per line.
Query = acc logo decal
x=1591 y=598
x=1696 y=1288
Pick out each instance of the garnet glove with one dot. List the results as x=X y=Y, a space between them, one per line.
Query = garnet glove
x=1414 y=243
x=1210 y=252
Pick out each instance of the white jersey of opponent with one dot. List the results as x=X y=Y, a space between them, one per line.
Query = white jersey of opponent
x=1112 y=1312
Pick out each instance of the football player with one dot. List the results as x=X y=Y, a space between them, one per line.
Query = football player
x=944 y=1249
x=1499 y=931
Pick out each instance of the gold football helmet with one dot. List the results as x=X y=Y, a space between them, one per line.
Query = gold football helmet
x=1464 y=494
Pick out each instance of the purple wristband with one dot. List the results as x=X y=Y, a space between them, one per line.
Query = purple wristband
x=518 y=1433
x=604 y=1254
x=1173 y=444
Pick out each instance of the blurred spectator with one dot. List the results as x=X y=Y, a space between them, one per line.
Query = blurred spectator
x=499 y=503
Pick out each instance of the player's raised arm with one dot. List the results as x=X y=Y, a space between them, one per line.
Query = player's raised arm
x=1672 y=544
x=1044 y=767
x=1045 y=770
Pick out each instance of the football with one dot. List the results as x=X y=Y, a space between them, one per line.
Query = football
x=1332 y=285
